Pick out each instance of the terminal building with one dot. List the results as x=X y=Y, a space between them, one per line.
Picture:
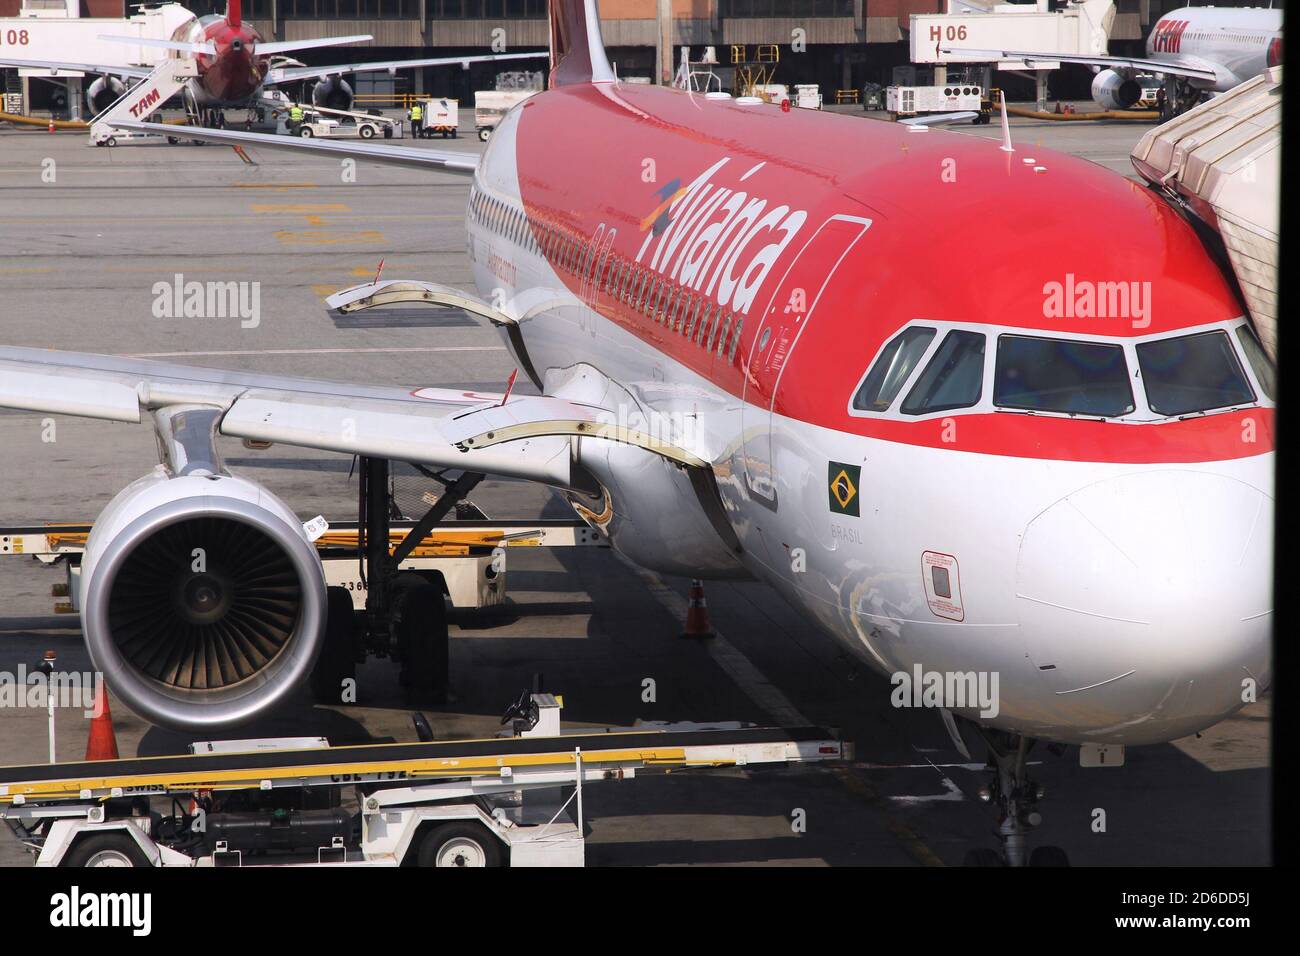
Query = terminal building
x=840 y=45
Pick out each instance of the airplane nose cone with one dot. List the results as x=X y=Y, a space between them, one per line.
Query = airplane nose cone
x=1146 y=601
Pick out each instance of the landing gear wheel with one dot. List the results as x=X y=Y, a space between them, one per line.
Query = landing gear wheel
x=106 y=849
x=421 y=616
x=1048 y=856
x=338 y=657
x=460 y=844
x=982 y=856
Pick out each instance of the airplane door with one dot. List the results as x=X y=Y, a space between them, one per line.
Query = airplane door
x=788 y=313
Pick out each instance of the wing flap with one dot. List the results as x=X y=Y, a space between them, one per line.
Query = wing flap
x=405 y=424
x=410 y=156
x=133 y=72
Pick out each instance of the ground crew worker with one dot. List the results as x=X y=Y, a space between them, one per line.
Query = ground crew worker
x=417 y=119
x=295 y=118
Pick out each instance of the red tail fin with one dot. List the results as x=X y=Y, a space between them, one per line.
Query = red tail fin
x=577 y=50
x=233 y=13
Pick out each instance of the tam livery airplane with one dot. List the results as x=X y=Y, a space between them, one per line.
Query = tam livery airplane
x=1198 y=50
x=235 y=65
x=755 y=362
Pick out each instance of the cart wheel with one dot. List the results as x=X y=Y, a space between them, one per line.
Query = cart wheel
x=460 y=844
x=455 y=134
x=422 y=639
x=306 y=132
x=173 y=140
x=483 y=135
x=388 y=132
x=111 y=141
x=1048 y=856
x=367 y=132
x=105 y=849
x=338 y=657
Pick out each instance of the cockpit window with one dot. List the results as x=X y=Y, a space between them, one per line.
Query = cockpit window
x=892 y=369
x=1056 y=375
x=953 y=379
x=1265 y=370
x=1193 y=373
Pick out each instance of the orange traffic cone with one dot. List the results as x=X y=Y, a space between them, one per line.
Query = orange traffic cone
x=102 y=742
x=50 y=128
x=697 y=613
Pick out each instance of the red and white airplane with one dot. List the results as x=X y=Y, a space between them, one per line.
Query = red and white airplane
x=1198 y=50
x=758 y=361
x=235 y=65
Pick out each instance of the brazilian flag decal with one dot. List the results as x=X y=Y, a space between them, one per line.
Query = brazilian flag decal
x=842 y=483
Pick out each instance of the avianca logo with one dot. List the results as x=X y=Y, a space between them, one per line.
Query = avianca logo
x=1167 y=37
x=718 y=239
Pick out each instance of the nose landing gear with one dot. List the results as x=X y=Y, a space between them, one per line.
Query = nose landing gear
x=1016 y=798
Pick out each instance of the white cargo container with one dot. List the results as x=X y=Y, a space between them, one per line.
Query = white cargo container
x=906 y=101
x=808 y=96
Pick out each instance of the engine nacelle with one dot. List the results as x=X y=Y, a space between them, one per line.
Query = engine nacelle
x=103 y=93
x=333 y=93
x=1116 y=90
x=202 y=599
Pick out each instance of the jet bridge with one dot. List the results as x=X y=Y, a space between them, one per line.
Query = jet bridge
x=1222 y=161
x=1082 y=28
x=63 y=35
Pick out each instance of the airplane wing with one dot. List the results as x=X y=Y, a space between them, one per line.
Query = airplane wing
x=206 y=47
x=289 y=73
x=427 y=426
x=114 y=69
x=1187 y=69
x=410 y=156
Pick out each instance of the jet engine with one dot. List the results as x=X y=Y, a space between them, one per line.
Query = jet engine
x=101 y=94
x=202 y=599
x=333 y=93
x=1116 y=90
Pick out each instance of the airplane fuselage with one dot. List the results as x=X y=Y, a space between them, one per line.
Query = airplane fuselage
x=725 y=275
x=1238 y=43
x=234 y=76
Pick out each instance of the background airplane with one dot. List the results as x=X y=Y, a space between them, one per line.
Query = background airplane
x=954 y=478
x=1198 y=50
x=235 y=66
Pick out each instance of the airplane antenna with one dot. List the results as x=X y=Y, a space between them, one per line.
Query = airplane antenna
x=510 y=386
x=1006 y=146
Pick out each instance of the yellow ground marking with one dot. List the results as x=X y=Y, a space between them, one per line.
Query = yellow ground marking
x=325 y=291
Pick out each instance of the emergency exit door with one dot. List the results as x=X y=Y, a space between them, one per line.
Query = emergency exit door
x=788 y=314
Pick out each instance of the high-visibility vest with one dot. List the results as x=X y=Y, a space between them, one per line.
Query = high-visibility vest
x=417 y=112
x=295 y=113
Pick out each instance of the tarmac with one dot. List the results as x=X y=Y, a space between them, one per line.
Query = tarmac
x=85 y=234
